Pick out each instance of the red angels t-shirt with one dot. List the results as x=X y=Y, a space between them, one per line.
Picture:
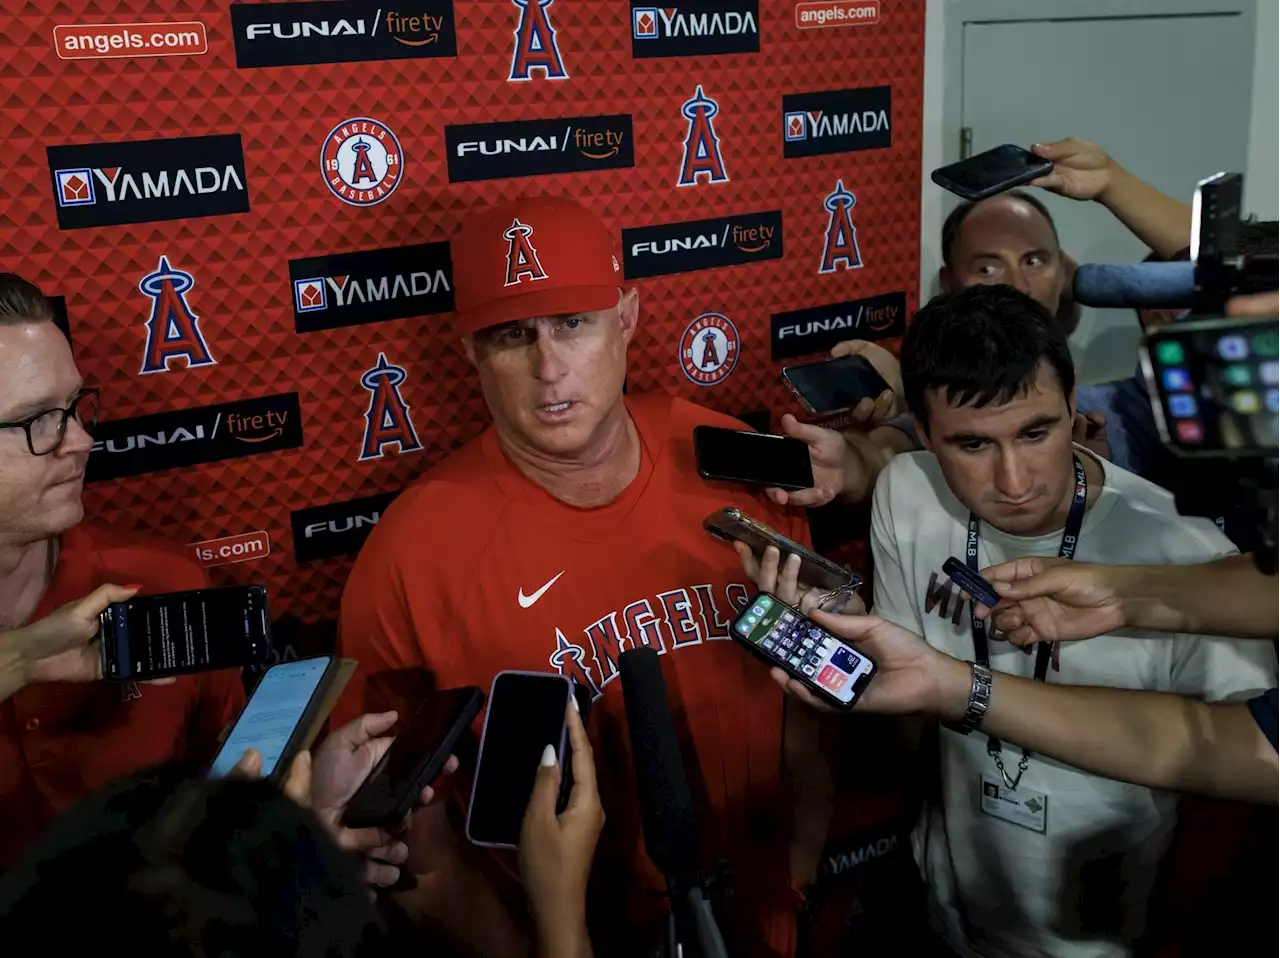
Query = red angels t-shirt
x=474 y=569
x=62 y=741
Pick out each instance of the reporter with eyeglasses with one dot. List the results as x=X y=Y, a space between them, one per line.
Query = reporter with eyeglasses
x=63 y=732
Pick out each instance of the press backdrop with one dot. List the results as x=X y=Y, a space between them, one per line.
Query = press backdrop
x=242 y=212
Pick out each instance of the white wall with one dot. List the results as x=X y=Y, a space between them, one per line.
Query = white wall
x=1261 y=176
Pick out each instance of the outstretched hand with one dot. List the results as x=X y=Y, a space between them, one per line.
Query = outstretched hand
x=1081 y=170
x=829 y=456
x=1053 y=600
x=63 y=646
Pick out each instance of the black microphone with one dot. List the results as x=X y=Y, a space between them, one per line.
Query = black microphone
x=1136 y=285
x=666 y=803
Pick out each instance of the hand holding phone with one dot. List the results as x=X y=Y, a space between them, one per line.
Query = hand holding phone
x=735 y=455
x=835 y=384
x=156 y=636
x=526 y=714
x=286 y=704
x=990 y=172
x=414 y=760
x=732 y=525
x=782 y=637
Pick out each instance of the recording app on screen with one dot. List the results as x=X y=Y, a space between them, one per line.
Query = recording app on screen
x=267 y=722
x=792 y=640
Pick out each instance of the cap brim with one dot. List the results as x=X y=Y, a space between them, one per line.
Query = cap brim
x=535 y=303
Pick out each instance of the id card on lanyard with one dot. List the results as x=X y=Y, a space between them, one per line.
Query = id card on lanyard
x=1044 y=650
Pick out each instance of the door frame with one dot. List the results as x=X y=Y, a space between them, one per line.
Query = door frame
x=944 y=90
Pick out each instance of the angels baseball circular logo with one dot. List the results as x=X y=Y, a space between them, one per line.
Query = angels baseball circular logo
x=709 y=349
x=361 y=161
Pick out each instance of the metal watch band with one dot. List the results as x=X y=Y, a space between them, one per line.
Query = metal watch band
x=979 y=697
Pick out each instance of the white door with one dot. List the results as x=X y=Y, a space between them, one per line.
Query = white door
x=1167 y=96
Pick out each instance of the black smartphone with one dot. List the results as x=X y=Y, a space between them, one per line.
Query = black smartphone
x=155 y=636
x=730 y=524
x=526 y=714
x=991 y=172
x=968 y=580
x=284 y=707
x=740 y=455
x=834 y=385
x=779 y=635
x=1215 y=385
x=415 y=759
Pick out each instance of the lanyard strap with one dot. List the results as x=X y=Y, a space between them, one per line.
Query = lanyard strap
x=1044 y=650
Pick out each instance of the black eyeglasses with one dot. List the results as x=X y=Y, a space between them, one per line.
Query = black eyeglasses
x=46 y=430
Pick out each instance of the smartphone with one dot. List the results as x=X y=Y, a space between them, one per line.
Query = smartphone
x=740 y=455
x=968 y=580
x=526 y=714
x=1213 y=385
x=780 y=636
x=991 y=172
x=730 y=525
x=834 y=385
x=155 y=636
x=415 y=759
x=288 y=700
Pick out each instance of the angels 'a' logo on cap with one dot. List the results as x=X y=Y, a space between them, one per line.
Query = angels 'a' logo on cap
x=522 y=258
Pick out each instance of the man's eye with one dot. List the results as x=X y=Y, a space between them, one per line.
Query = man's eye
x=573 y=322
x=1035 y=435
x=1036 y=260
x=515 y=334
x=975 y=445
x=986 y=271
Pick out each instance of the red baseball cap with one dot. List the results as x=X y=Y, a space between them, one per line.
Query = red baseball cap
x=541 y=256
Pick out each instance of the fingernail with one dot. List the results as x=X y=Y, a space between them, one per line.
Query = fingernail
x=548 y=756
x=573 y=700
x=132 y=585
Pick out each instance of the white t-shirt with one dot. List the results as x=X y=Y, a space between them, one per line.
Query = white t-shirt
x=1080 y=889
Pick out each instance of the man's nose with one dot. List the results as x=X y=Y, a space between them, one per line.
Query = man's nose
x=1012 y=479
x=549 y=363
x=75 y=439
x=1021 y=281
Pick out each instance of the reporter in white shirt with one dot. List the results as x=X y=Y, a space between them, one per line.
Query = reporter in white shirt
x=1067 y=861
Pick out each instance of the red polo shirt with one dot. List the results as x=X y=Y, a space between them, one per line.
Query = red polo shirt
x=62 y=741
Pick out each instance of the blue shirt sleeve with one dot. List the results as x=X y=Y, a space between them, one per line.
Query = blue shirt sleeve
x=1264 y=712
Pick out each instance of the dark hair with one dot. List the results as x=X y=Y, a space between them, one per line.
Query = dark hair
x=981 y=345
x=955 y=219
x=1258 y=237
x=21 y=299
x=181 y=867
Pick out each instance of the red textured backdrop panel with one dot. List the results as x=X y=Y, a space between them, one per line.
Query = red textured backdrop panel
x=242 y=292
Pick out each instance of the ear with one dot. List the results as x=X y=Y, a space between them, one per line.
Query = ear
x=922 y=431
x=469 y=347
x=944 y=279
x=629 y=313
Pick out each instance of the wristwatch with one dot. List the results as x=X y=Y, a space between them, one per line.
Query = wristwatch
x=979 y=700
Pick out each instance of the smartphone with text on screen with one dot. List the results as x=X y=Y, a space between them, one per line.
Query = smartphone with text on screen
x=278 y=718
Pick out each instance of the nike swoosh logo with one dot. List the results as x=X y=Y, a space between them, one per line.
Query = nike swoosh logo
x=528 y=600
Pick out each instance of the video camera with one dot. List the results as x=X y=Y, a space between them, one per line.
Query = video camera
x=1214 y=382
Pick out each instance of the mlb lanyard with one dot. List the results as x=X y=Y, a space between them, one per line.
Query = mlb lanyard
x=1044 y=650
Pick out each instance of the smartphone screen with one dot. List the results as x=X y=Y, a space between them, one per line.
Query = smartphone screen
x=159 y=635
x=836 y=384
x=415 y=758
x=1217 y=384
x=744 y=456
x=804 y=649
x=526 y=714
x=277 y=706
x=991 y=172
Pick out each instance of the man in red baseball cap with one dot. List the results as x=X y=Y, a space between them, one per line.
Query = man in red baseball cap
x=567 y=533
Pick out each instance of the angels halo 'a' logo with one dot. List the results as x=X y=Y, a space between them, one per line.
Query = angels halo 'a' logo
x=361 y=161
x=709 y=349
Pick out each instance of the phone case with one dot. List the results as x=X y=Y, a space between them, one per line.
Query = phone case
x=730 y=524
x=341 y=675
x=560 y=749
x=943 y=177
x=717 y=477
x=800 y=677
x=367 y=810
x=315 y=714
x=808 y=406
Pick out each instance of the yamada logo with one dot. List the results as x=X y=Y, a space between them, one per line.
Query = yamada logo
x=108 y=184
x=350 y=289
x=341 y=31
x=188 y=437
x=701 y=244
x=836 y=121
x=708 y=27
x=485 y=151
